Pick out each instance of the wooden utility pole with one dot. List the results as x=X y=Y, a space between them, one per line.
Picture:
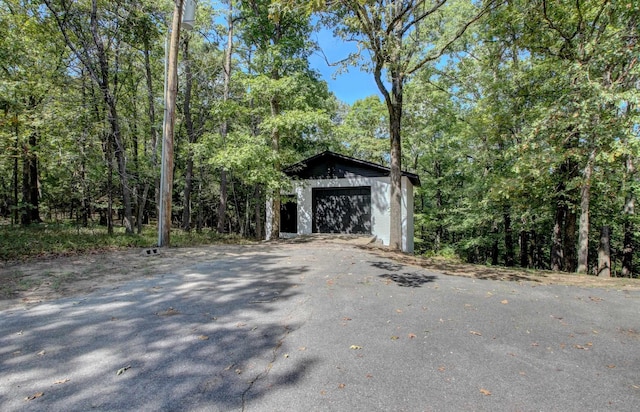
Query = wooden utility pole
x=171 y=90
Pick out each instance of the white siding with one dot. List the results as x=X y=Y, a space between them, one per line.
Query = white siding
x=380 y=209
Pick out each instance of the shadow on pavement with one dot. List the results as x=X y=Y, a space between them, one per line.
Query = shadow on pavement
x=404 y=279
x=205 y=336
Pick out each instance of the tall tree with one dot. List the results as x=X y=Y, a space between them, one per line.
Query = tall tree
x=401 y=36
x=93 y=39
x=279 y=42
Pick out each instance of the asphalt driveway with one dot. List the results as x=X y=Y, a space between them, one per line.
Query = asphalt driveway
x=310 y=327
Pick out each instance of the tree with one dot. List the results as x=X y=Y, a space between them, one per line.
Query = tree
x=91 y=44
x=279 y=43
x=401 y=36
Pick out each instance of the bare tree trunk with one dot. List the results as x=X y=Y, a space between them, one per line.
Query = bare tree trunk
x=166 y=185
x=109 y=155
x=224 y=128
x=524 y=249
x=495 y=245
x=275 y=195
x=585 y=196
x=604 y=253
x=628 y=212
x=25 y=214
x=188 y=178
x=509 y=258
x=200 y=219
x=557 y=250
x=569 y=240
x=114 y=121
x=258 y=210
x=153 y=131
x=16 y=155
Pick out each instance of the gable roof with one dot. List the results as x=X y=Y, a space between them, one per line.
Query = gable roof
x=331 y=165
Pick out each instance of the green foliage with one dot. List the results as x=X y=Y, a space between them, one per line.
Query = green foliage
x=54 y=239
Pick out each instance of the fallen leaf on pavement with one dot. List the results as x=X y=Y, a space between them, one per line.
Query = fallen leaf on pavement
x=412 y=335
x=355 y=347
x=368 y=375
x=203 y=337
x=302 y=348
x=485 y=392
x=341 y=386
x=473 y=332
x=121 y=370
x=61 y=381
x=395 y=337
x=611 y=366
x=442 y=369
x=504 y=302
x=169 y=312
x=34 y=396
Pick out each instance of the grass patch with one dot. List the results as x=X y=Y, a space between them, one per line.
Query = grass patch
x=55 y=239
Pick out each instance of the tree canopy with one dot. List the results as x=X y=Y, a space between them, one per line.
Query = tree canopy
x=520 y=117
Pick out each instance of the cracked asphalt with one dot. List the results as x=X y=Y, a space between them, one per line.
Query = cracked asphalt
x=322 y=327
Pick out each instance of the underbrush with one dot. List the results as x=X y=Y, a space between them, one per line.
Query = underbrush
x=53 y=239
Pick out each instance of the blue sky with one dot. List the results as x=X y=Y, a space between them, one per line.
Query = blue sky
x=350 y=86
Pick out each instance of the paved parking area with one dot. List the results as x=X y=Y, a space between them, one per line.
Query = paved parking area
x=322 y=327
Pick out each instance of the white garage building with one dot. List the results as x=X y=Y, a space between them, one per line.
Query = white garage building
x=333 y=193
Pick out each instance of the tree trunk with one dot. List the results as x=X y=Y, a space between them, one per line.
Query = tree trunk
x=222 y=202
x=25 y=214
x=34 y=182
x=154 y=138
x=509 y=258
x=628 y=212
x=258 y=210
x=495 y=247
x=166 y=184
x=224 y=127
x=569 y=240
x=524 y=249
x=114 y=121
x=188 y=177
x=275 y=194
x=395 y=122
x=604 y=253
x=557 y=250
x=585 y=196
x=200 y=220
x=16 y=155
x=109 y=154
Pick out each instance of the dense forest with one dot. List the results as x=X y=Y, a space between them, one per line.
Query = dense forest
x=520 y=117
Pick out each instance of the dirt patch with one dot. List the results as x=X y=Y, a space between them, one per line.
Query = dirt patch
x=542 y=277
x=45 y=279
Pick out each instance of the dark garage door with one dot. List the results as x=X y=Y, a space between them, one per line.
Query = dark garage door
x=343 y=210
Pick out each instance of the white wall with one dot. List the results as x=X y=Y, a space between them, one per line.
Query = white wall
x=379 y=202
x=407 y=215
x=380 y=208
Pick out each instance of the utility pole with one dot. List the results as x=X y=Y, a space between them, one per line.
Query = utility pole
x=170 y=93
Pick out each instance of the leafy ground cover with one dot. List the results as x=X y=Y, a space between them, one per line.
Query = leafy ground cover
x=63 y=239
